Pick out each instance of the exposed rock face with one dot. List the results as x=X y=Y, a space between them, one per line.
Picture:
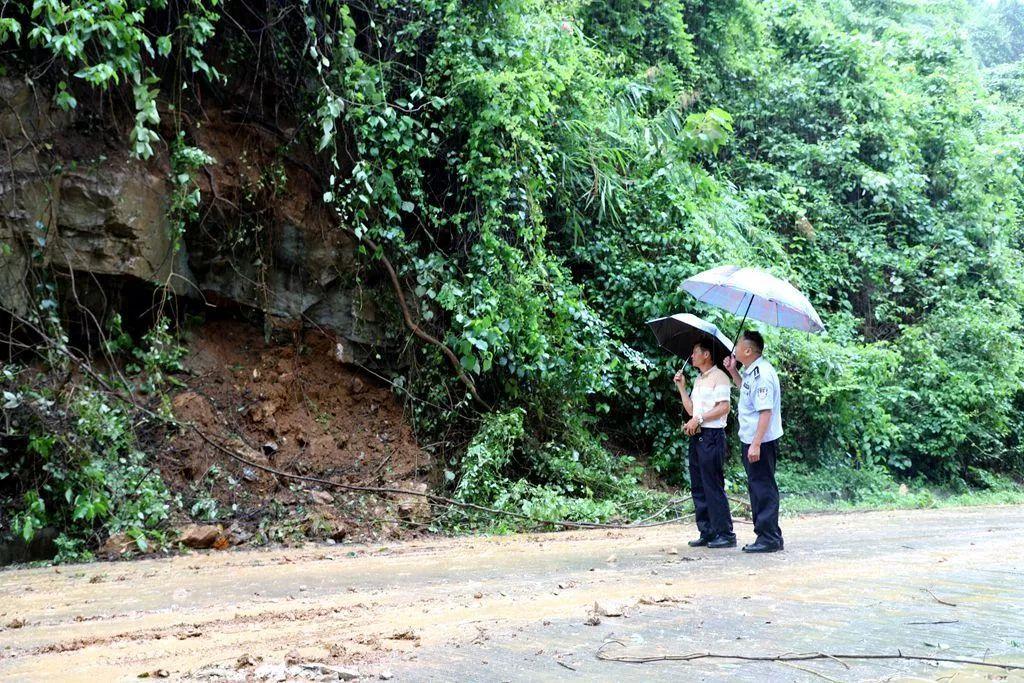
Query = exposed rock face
x=99 y=213
x=108 y=220
x=25 y=116
x=111 y=220
x=71 y=199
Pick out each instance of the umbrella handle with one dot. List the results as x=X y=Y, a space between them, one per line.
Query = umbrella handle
x=683 y=369
x=740 y=331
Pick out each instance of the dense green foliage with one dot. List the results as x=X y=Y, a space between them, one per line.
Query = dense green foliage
x=79 y=466
x=545 y=174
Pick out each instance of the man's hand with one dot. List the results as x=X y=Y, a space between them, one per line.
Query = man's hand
x=691 y=427
x=730 y=363
x=754 y=452
x=680 y=380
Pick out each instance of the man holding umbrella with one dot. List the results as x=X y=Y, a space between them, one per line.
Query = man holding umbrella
x=708 y=407
x=760 y=416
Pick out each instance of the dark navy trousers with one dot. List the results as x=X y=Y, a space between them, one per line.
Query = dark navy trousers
x=764 y=492
x=707 y=483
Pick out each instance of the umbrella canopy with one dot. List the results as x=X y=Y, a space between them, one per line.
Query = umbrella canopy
x=754 y=293
x=678 y=333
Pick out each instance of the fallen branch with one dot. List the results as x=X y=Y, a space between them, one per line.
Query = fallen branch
x=433 y=498
x=693 y=656
x=659 y=513
x=931 y=623
x=939 y=600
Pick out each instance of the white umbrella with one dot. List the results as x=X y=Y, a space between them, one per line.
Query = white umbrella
x=757 y=294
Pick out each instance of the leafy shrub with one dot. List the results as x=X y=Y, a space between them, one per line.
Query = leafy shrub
x=73 y=457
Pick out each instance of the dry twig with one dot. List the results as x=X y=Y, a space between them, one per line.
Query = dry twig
x=804 y=657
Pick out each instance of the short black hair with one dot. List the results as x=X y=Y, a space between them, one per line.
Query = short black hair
x=705 y=343
x=754 y=338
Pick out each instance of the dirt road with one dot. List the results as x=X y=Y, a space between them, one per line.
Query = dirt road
x=946 y=583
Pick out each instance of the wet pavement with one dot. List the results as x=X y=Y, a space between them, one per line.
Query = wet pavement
x=942 y=583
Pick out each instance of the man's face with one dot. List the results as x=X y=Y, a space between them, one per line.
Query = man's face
x=699 y=356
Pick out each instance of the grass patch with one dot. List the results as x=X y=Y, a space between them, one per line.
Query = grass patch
x=841 y=488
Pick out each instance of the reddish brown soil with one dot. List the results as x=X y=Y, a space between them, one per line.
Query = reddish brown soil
x=293 y=407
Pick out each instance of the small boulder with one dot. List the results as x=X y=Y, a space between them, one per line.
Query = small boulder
x=343 y=354
x=321 y=497
x=324 y=521
x=199 y=536
x=237 y=534
x=117 y=545
x=411 y=507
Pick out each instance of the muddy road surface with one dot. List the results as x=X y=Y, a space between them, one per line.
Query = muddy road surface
x=938 y=583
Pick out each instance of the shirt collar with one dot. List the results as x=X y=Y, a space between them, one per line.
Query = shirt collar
x=750 y=368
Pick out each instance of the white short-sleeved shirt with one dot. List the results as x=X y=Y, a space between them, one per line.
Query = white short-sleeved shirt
x=760 y=391
x=708 y=390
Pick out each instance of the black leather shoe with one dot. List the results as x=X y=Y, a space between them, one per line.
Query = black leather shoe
x=696 y=543
x=762 y=547
x=722 y=542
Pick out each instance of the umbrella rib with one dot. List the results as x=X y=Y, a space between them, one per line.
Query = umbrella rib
x=705 y=293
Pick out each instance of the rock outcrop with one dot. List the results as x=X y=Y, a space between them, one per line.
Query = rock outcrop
x=72 y=197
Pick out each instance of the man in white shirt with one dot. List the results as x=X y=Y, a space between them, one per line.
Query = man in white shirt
x=708 y=407
x=760 y=427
